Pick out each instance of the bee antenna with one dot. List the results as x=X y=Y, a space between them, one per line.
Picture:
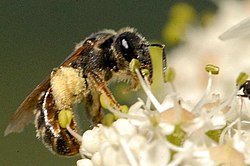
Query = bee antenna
x=164 y=57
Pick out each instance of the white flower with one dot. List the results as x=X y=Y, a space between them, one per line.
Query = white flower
x=144 y=137
x=91 y=140
x=188 y=128
x=155 y=153
x=85 y=162
x=127 y=142
x=202 y=46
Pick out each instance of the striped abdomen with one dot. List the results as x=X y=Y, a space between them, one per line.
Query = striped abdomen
x=54 y=137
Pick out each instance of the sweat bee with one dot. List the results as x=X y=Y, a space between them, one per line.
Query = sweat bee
x=82 y=77
x=245 y=89
x=239 y=30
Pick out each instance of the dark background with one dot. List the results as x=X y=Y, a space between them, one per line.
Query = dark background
x=36 y=36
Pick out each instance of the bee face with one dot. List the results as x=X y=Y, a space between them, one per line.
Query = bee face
x=130 y=45
x=84 y=75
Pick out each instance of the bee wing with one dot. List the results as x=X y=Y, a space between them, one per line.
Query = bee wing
x=24 y=113
x=241 y=29
x=74 y=55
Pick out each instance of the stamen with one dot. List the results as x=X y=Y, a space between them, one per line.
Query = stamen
x=118 y=112
x=241 y=79
x=148 y=92
x=74 y=134
x=223 y=133
x=128 y=153
x=108 y=119
x=198 y=106
x=212 y=70
x=64 y=117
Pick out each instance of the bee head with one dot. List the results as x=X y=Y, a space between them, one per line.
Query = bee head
x=130 y=45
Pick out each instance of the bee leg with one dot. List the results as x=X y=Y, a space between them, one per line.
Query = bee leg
x=101 y=86
x=93 y=98
x=93 y=107
x=248 y=96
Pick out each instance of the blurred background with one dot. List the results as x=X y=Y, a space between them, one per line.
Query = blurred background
x=36 y=36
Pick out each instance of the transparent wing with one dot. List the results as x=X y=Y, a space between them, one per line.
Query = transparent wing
x=25 y=112
x=241 y=29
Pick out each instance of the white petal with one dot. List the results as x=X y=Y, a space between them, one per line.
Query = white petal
x=96 y=159
x=136 y=143
x=113 y=156
x=166 y=128
x=109 y=156
x=84 y=162
x=124 y=127
x=155 y=153
x=239 y=144
x=110 y=135
x=91 y=140
x=218 y=121
x=135 y=107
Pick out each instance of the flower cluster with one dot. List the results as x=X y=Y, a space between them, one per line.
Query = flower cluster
x=202 y=46
x=210 y=130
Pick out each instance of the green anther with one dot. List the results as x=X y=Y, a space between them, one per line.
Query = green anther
x=134 y=64
x=145 y=73
x=154 y=120
x=124 y=109
x=105 y=102
x=170 y=75
x=108 y=119
x=241 y=79
x=116 y=117
x=212 y=69
x=64 y=117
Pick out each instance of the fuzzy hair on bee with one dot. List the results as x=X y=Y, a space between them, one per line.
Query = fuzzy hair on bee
x=69 y=86
x=83 y=76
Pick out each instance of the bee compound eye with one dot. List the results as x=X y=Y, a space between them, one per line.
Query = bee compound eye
x=125 y=44
x=125 y=48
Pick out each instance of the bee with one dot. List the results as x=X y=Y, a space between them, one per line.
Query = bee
x=83 y=76
x=239 y=30
x=246 y=89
